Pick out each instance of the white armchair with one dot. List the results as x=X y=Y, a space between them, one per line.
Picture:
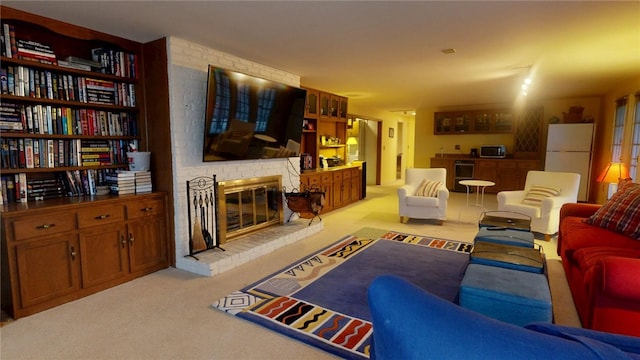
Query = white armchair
x=543 y=207
x=424 y=206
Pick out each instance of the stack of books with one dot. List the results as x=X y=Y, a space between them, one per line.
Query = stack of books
x=35 y=51
x=42 y=189
x=95 y=153
x=122 y=182
x=143 y=182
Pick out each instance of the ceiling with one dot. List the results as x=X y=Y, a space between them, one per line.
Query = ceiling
x=387 y=55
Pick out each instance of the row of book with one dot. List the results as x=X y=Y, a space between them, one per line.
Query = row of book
x=105 y=60
x=44 y=84
x=27 y=153
x=129 y=182
x=20 y=188
x=54 y=120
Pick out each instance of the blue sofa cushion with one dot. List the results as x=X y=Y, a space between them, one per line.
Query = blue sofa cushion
x=410 y=323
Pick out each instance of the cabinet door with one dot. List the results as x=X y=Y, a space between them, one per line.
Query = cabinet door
x=356 y=180
x=147 y=244
x=506 y=177
x=326 y=181
x=343 y=107
x=325 y=105
x=523 y=167
x=448 y=165
x=58 y=258
x=312 y=109
x=104 y=254
x=486 y=170
x=337 y=189
x=442 y=123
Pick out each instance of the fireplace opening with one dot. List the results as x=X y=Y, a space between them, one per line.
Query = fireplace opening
x=248 y=205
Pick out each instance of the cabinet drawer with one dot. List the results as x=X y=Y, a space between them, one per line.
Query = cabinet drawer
x=38 y=226
x=355 y=173
x=337 y=176
x=147 y=207
x=100 y=215
x=346 y=174
x=327 y=178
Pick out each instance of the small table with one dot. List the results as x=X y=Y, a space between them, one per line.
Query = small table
x=480 y=186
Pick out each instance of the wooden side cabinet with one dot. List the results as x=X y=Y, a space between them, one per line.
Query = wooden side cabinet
x=341 y=185
x=56 y=252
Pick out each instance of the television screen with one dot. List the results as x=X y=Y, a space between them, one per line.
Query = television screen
x=251 y=118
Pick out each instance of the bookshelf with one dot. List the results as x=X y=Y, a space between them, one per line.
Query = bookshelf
x=65 y=90
x=71 y=244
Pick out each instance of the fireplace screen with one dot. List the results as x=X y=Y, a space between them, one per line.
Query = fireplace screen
x=249 y=204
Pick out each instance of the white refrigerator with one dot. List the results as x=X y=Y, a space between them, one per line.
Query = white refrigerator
x=569 y=150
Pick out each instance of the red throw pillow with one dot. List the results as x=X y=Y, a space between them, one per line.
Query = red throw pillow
x=621 y=213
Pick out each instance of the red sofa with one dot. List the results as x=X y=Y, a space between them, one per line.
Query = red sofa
x=603 y=270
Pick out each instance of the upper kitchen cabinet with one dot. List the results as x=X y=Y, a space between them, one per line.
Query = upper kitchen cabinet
x=473 y=122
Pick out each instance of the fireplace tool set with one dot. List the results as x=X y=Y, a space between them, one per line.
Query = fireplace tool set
x=203 y=214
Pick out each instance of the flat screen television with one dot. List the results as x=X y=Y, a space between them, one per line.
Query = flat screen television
x=251 y=118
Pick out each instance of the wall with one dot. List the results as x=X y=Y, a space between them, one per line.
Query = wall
x=188 y=67
x=604 y=134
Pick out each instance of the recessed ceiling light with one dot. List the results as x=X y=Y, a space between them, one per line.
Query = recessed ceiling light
x=449 y=51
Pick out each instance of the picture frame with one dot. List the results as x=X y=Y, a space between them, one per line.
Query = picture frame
x=391 y=132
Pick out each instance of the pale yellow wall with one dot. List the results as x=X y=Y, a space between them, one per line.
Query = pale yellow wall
x=604 y=135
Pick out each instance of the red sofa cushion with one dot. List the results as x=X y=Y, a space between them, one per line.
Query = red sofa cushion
x=621 y=213
x=588 y=257
x=578 y=235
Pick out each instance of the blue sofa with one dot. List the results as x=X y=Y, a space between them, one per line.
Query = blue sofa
x=409 y=323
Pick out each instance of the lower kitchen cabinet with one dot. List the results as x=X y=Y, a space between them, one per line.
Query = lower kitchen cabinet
x=60 y=251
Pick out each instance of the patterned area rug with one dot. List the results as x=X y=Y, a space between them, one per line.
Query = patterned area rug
x=322 y=299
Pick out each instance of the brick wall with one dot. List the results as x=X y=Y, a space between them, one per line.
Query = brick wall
x=188 y=66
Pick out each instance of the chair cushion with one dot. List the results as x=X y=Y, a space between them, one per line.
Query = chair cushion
x=621 y=213
x=428 y=188
x=537 y=193
x=422 y=201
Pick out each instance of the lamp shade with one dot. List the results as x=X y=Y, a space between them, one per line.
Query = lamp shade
x=352 y=141
x=613 y=173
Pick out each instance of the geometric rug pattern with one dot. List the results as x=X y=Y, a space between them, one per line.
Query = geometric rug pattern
x=321 y=299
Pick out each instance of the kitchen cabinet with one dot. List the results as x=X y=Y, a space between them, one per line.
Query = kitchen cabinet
x=58 y=251
x=473 y=122
x=508 y=174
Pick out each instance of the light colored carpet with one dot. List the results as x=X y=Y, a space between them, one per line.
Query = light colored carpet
x=167 y=315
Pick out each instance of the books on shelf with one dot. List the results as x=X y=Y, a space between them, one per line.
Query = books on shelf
x=129 y=182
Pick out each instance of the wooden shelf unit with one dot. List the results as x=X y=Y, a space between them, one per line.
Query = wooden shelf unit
x=61 y=249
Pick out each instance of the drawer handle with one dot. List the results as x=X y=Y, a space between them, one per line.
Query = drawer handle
x=101 y=217
x=147 y=209
x=123 y=241
x=45 y=226
x=73 y=253
x=131 y=239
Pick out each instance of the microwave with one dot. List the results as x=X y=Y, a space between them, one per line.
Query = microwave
x=493 y=151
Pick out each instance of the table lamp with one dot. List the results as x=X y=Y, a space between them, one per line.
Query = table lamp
x=613 y=173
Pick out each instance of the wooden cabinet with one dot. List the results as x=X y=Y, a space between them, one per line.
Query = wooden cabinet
x=473 y=122
x=341 y=185
x=508 y=174
x=328 y=121
x=65 y=109
x=47 y=267
x=447 y=164
x=146 y=235
x=62 y=250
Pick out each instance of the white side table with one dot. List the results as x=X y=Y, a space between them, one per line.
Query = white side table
x=480 y=186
